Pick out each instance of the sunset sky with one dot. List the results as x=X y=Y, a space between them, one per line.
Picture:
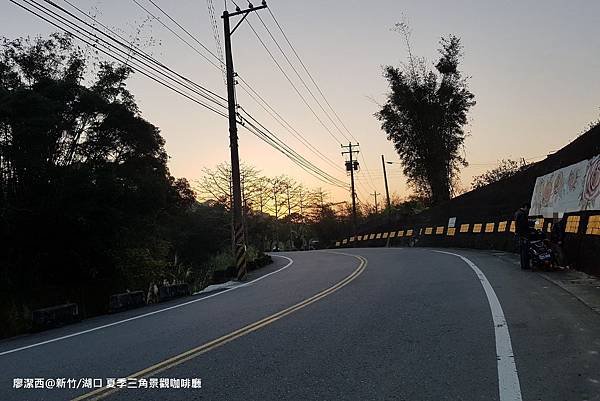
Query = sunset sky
x=534 y=68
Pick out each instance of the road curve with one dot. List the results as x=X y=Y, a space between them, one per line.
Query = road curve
x=413 y=324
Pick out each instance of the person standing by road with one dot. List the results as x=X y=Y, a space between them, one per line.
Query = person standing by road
x=557 y=238
x=522 y=233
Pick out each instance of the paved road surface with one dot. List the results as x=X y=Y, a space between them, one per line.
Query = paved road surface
x=389 y=324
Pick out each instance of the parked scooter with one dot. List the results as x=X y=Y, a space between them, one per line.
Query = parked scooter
x=540 y=252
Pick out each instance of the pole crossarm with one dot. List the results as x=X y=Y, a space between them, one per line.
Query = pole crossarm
x=246 y=11
x=351 y=166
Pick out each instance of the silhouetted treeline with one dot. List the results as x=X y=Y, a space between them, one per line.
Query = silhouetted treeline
x=87 y=204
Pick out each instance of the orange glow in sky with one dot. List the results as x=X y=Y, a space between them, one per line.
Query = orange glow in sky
x=534 y=70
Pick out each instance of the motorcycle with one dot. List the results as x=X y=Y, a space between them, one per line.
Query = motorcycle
x=540 y=252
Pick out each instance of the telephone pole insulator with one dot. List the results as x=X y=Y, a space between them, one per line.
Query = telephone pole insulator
x=351 y=166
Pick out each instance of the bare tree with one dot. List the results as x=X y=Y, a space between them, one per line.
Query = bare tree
x=215 y=184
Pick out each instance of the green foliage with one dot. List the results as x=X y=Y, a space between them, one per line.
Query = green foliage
x=409 y=207
x=424 y=117
x=222 y=261
x=252 y=254
x=330 y=225
x=86 y=198
x=506 y=168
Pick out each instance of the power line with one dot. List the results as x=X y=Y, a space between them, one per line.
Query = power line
x=318 y=88
x=270 y=139
x=253 y=129
x=309 y=74
x=291 y=83
x=253 y=122
x=303 y=82
x=267 y=137
x=108 y=50
x=220 y=67
x=301 y=79
x=278 y=65
x=286 y=125
x=216 y=36
x=123 y=42
x=277 y=117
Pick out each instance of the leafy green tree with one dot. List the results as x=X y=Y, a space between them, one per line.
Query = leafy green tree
x=506 y=168
x=424 y=117
x=87 y=203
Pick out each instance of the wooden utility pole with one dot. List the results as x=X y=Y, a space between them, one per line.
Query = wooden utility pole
x=239 y=240
x=289 y=206
x=375 y=195
x=352 y=165
x=387 y=191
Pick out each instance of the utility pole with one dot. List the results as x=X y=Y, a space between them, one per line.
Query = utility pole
x=239 y=241
x=276 y=228
x=244 y=209
x=289 y=212
x=352 y=165
x=321 y=202
x=302 y=230
x=375 y=195
x=387 y=191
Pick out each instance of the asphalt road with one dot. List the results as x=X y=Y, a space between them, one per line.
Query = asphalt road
x=388 y=324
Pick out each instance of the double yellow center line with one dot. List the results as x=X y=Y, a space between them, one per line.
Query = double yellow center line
x=195 y=352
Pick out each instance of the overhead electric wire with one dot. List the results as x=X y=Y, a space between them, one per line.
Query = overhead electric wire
x=269 y=139
x=277 y=117
x=139 y=51
x=254 y=97
x=288 y=127
x=283 y=53
x=250 y=119
x=292 y=83
x=185 y=30
x=127 y=45
x=318 y=89
x=309 y=74
x=314 y=83
x=253 y=129
x=360 y=191
x=107 y=48
x=108 y=52
x=216 y=37
x=179 y=36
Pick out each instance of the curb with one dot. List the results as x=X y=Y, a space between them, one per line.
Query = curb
x=580 y=288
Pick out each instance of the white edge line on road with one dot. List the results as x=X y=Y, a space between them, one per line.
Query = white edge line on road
x=508 y=377
x=290 y=261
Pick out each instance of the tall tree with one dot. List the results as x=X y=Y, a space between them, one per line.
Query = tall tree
x=215 y=185
x=85 y=193
x=425 y=115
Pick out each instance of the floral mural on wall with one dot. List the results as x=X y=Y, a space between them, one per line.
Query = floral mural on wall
x=570 y=189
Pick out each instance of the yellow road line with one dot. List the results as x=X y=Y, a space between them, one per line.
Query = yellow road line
x=193 y=353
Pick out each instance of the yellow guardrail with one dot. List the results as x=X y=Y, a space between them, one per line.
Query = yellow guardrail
x=572 y=226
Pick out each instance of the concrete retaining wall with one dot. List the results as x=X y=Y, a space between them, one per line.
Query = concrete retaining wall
x=496 y=203
x=127 y=300
x=55 y=316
